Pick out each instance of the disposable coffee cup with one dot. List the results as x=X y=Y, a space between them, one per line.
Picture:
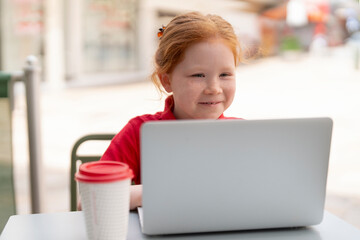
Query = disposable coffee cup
x=104 y=188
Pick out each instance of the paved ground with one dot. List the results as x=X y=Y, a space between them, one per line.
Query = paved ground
x=270 y=88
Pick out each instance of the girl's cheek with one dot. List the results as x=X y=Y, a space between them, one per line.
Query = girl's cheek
x=231 y=84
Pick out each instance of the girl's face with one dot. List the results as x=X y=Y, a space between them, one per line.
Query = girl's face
x=203 y=84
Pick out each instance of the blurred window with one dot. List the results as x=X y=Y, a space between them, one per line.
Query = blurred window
x=21 y=32
x=109 y=35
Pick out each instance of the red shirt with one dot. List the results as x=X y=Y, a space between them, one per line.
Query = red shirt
x=125 y=146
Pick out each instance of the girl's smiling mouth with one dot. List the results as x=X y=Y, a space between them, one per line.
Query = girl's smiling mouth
x=209 y=103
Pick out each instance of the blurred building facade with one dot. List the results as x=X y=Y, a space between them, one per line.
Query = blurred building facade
x=87 y=42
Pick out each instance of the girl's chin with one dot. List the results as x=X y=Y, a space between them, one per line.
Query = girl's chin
x=209 y=116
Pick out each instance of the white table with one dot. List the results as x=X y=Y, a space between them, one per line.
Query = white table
x=71 y=225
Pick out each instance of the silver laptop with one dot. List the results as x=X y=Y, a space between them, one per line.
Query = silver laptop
x=225 y=175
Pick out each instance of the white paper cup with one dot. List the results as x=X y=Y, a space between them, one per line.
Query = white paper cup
x=104 y=188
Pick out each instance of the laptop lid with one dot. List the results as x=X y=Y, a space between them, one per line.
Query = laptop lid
x=223 y=175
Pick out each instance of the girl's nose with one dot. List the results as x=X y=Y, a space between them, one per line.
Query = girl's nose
x=213 y=87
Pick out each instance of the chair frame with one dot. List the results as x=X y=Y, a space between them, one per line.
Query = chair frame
x=83 y=158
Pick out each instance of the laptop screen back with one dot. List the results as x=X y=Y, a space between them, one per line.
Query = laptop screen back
x=222 y=175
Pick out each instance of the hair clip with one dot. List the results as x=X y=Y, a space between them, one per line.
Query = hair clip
x=161 y=31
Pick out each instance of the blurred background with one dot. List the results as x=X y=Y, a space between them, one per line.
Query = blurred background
x=300 y=59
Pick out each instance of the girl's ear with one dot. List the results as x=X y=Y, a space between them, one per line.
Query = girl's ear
x=165 y=82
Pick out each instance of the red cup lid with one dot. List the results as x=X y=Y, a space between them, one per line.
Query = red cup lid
x=103 y=171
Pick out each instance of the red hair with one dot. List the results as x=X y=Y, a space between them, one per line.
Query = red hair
x=185 y=30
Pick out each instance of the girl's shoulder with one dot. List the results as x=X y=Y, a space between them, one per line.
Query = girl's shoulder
x=132 y=128
x=139 y=120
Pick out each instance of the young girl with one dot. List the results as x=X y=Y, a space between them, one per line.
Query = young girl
x=195 y=63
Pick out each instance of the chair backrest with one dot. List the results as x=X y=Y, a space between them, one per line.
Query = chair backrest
x=75 y=157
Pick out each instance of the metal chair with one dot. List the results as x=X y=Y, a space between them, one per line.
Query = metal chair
x=75 y=157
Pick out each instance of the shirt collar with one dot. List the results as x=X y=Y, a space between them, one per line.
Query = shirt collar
x=222 y=116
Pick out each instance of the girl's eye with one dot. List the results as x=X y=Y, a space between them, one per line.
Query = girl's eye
x=225 y=74
x=198 y=75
